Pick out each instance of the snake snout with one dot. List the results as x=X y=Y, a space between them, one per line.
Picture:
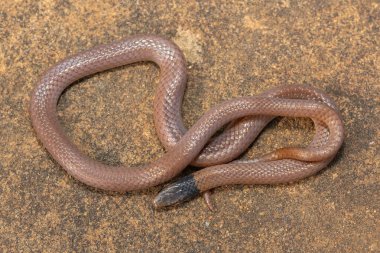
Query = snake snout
x=182 y=190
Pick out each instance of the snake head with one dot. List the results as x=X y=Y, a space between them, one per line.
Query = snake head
x=181 y=190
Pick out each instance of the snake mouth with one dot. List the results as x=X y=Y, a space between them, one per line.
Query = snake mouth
x=180 y=191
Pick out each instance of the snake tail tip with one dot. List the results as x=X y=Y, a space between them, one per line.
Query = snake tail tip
x=180 y=191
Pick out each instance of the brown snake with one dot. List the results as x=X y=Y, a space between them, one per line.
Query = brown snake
x=246 y=117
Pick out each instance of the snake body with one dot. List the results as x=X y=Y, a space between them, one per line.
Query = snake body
x=245 y=118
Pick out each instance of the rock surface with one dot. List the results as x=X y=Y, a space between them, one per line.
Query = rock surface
x=232 y=50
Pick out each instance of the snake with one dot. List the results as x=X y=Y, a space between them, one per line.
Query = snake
x=213 y=143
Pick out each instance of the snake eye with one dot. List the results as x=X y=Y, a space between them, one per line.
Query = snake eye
x=182 y=190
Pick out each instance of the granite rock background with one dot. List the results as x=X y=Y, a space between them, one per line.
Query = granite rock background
x=233 y=49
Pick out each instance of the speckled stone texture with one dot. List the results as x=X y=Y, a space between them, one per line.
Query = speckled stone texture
x=232 y=49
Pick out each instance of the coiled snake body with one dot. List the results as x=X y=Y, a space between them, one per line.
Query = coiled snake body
x=246 y=117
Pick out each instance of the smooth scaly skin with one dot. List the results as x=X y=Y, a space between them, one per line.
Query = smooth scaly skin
x=248 y=115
